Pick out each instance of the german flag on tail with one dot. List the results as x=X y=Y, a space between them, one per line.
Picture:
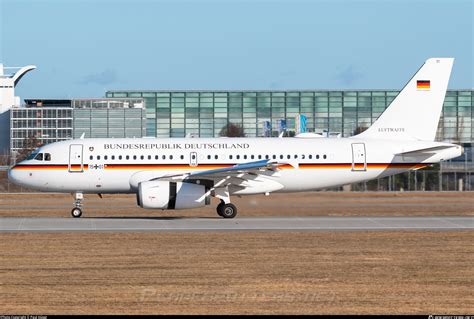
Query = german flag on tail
x=423 y=84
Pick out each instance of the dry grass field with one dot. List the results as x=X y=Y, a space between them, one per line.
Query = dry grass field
x=343 y=272
x=297 y=204
x=237 y=273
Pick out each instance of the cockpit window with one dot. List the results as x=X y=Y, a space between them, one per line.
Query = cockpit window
x=32 y=156
x=47 y=156
x=39 y=157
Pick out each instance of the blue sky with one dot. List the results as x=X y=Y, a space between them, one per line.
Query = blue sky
x=84 y=48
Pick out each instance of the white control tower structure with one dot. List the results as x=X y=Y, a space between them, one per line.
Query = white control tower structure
x=8 y=82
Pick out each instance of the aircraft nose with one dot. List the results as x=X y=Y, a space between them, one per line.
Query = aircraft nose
x=16 y=176
x=13 y=175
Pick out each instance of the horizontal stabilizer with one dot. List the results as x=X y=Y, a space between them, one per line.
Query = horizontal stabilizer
x=425 y=150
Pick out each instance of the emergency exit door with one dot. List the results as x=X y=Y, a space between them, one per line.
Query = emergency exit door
x=75 y=158
x=358 y=157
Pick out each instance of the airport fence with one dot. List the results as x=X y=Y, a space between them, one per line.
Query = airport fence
x=420 y=180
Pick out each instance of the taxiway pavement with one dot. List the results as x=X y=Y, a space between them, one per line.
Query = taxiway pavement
x=163 y=224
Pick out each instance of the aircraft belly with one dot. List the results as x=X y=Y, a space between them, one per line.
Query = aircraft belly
x=87 y=182
x=56 y=181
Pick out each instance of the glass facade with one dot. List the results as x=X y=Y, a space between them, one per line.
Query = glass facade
x=102 y=123
x=101 y=118
x=49 y=121
x=45 y=125
x=205 y=113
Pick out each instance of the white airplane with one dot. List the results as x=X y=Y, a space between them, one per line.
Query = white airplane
x=182 y=173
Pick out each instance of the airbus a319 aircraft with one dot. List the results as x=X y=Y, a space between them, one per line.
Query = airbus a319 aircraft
x=182 y=173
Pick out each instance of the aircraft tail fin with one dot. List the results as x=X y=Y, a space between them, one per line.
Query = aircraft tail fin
x=414 y=114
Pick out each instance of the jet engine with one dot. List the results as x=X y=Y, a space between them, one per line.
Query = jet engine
x=171 y=195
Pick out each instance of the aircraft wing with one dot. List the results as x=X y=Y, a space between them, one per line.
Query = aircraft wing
x=238 y=170
x=238 y=175
x=241 y=176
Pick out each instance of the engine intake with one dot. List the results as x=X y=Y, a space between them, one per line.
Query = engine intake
x=171 y=195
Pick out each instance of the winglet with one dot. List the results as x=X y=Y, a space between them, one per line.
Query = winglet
x=82 y=136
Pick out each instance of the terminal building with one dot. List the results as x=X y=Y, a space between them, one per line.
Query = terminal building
x=47 y=121
x=204 y=113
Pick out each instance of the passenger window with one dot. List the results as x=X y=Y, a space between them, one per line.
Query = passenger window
x=216 y=156
x=91 y=157
x=149 y=157
x=208 y=156
x=98 y=157
x=182 y=157
x=302 y=156
x=252 y=157
x=230 y=156
x=142 y=157
x=127 y=157
x=156 y=157
x=267 y=157
x=245 y=156
x=238 y=156
x=163 y=157
x=296 y=156
x=120 y=157
x=134 y=157
x=281 y=156
x=317 y=156
x=171 y=157
x=274 y=156
x=105 y=157
x=324 y=156
x=113 y=157
x=310 y=156
x=47 y=156
x=259 y=156
x=288 y=156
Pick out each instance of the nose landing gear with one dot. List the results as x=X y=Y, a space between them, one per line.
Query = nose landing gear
x=76 y=212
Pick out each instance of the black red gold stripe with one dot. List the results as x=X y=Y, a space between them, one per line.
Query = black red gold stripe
x=49 y=167
x=216 y=166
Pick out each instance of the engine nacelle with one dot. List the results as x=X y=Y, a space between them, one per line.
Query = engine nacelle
x=171 y=195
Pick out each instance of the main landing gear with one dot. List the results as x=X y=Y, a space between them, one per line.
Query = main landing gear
x=76 y=212
x=226 y=210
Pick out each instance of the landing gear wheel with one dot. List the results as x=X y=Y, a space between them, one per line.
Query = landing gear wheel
x=220 y=208
x=76 y=212
x=228 y=210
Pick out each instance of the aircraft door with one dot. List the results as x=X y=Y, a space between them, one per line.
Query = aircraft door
x=193 y=159
x=75 y=158
x=358 y=157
